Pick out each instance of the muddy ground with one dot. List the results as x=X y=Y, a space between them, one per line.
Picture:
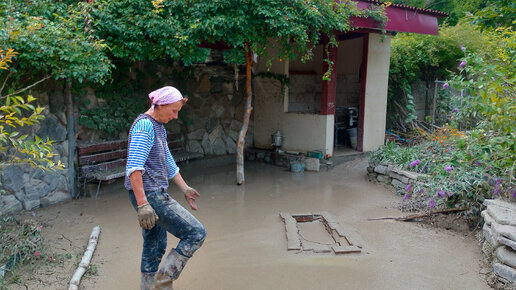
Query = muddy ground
x=246 y=243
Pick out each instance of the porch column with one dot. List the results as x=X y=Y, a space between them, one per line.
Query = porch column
x=329 y=88
x=373 y=99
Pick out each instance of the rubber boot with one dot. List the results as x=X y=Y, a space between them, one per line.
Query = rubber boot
x=146 y=280
x=170 y=270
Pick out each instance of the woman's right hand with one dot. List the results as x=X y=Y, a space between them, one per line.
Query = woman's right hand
x=147 y=217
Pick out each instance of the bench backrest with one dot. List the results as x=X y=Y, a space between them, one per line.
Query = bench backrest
x=102 y=156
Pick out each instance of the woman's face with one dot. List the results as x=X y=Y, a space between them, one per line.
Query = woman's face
x=169 y=112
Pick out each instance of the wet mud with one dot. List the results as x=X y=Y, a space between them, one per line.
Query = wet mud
x=246 y=246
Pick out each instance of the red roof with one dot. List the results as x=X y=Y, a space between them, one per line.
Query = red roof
x=402 y=18
x=436 y=13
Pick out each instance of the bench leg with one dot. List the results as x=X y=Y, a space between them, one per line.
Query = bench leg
x=98 y=188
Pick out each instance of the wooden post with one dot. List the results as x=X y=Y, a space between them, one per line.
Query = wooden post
x=434 y=105
x=247 y=115
x=71 y=136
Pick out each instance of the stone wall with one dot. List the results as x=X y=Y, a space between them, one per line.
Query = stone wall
x=215 y=111
x=24 y=187
x=499 y=243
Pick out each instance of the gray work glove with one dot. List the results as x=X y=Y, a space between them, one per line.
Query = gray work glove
x=147 y=216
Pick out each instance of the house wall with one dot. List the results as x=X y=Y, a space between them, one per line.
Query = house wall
x=303 y=132
x=375 y=107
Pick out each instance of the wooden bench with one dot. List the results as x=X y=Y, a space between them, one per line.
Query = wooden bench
x=102 y=162
x=105 y=161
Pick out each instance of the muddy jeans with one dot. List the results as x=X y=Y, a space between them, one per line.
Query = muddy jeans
x=173 y=218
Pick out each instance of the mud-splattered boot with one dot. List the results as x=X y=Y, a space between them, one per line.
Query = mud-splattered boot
x=146 y=280
x=170 y=270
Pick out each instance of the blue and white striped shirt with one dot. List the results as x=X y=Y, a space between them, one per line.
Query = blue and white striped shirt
x=152 y=158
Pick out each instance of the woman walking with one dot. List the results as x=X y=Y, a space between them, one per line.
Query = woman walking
x=149 y=167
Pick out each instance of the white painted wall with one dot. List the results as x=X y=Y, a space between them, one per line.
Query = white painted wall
x=375 y=109
x=303 y=132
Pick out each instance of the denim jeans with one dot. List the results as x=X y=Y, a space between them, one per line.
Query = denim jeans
x=173 y=218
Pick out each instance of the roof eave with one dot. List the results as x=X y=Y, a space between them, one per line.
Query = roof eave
x=401 y=19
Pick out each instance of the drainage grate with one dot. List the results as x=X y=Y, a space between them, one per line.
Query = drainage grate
x=335 y=239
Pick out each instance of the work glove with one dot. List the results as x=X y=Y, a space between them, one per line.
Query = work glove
x=147 y=217
x=190 y=195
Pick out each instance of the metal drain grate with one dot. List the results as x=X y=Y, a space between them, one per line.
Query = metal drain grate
x=342 y=240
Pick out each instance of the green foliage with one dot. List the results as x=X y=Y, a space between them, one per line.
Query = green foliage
x=53 y=38
x=426 y=57
x=148 y=30
x=463 y=168
x=123 y=103
x=498 y=13
x=16 y=148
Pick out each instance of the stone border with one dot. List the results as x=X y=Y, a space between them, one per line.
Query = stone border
x=392 y=175
x=499 y=233
x=345 y=240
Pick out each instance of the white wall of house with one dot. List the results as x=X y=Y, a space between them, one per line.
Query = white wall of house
x=375 y=109
x=308 y=131
x=303 y=132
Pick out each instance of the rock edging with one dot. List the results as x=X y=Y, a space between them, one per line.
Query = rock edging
x=499 y=233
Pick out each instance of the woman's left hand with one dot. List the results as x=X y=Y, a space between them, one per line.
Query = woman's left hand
x=190 y=195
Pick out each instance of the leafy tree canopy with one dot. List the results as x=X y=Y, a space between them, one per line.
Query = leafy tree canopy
x=141 y=29
x=53 y=39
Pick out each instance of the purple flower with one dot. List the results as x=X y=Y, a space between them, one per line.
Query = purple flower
x=441 y=193
x=462 y=64
x=479 y=163
x=514 y=193
x=496 y=191
x=448 y=168
x=414 y=163
x=409 y=187
x=421 y=190
x=405 y=196
x=455 y=110
x=445 y=85
x=462 y=47
x=431 y=203
x=498 y=181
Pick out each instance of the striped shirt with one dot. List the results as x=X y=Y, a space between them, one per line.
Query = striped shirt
x=148 y=152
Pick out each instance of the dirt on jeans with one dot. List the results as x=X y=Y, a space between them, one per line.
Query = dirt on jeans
x=246 y=244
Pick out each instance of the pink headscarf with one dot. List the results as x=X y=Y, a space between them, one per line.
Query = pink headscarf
x=165 y=95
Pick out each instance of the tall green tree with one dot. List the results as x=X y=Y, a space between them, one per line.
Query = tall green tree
x=53 y=39
x=175 y=29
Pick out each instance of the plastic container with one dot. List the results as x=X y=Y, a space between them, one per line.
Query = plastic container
x=297 y=166
x=314 y=154
x=353 y=137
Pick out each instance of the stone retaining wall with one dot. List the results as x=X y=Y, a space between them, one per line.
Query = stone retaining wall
x=24 y=187
x=499 y=232
x=392 y=175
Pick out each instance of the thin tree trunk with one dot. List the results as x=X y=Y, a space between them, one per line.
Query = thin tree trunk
x=247 y=116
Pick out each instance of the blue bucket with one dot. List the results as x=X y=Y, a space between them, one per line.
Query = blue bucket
x=297 y=166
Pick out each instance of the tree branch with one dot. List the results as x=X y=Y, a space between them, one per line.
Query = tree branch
x=5 y=81
x=26 y=88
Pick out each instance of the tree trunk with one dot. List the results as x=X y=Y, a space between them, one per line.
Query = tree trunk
x=247 y=116
x=71 y=135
